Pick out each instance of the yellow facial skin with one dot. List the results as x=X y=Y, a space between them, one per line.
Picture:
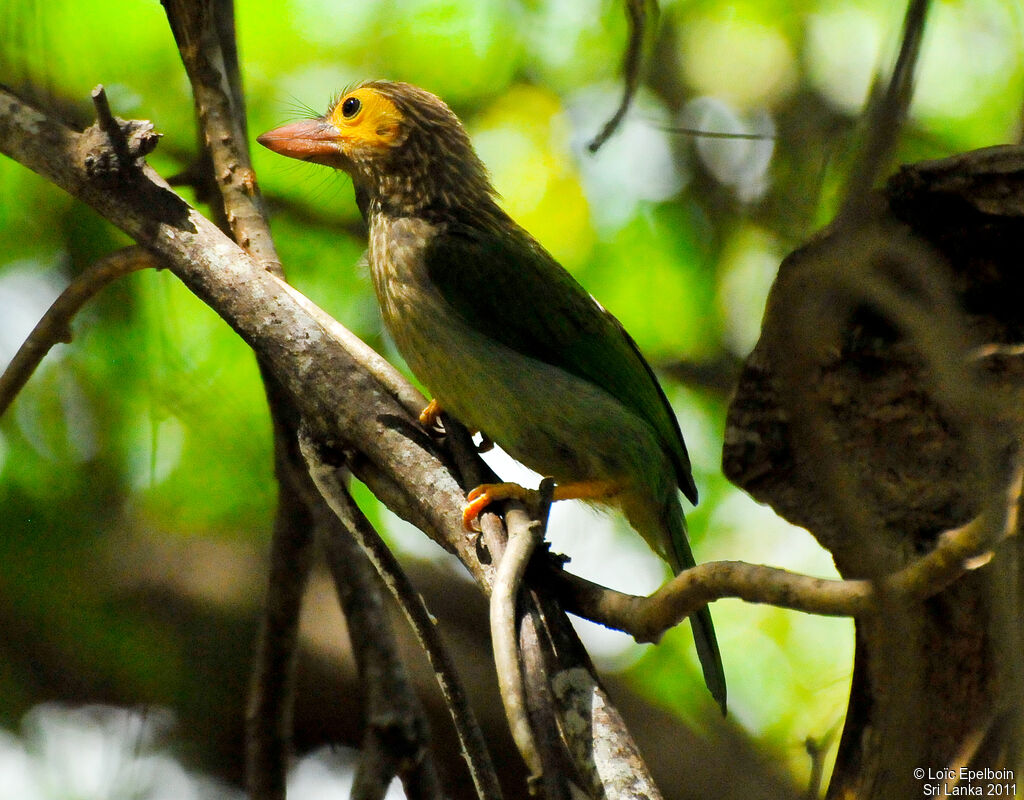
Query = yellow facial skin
x=361 y=125
x=365 y=119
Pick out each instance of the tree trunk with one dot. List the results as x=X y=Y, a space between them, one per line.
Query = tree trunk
x=881 y=407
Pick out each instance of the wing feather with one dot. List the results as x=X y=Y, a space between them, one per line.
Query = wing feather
x=512 y=290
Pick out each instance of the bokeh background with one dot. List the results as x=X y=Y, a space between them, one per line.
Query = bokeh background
x=136 y=491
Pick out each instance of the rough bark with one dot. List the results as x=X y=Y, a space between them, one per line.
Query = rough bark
x=878 y=409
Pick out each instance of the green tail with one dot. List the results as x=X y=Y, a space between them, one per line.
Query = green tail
x=681 y=558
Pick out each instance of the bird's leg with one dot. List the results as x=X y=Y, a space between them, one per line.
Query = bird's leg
x=487 y=493
x=587 y=490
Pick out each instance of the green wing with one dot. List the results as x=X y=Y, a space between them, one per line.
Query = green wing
x=512 y=290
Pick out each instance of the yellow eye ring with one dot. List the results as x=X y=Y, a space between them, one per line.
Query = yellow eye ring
x=350 y=107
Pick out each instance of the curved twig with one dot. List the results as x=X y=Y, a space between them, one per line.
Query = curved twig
x=55 y=325
x=636 y=14
x=698 y=133
x=646 y=618
x=524 y=534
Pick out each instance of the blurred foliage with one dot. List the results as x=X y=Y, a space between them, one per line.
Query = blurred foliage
x=152 y=422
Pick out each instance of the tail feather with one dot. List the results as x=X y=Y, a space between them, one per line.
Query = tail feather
x=681 y=558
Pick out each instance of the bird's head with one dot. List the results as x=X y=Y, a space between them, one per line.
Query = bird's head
x=405 y=149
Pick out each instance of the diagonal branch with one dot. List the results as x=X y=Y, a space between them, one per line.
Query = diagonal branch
x=350 y=518
x=396 y=737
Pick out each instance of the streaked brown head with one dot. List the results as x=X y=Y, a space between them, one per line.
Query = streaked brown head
x=405 y=149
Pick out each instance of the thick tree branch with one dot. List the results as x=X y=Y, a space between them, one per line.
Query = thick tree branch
x=411 y=399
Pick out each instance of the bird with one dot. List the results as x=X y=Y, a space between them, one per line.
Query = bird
x=505 y=339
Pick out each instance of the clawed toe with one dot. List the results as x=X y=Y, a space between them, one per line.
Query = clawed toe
x=483 y=495
x=429 y=416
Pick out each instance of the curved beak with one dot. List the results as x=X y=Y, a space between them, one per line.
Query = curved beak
x=313 y=140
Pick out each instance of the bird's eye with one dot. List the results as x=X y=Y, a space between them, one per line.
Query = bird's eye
x=350 y=107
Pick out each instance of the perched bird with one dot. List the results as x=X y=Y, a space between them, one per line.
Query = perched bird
x=506 y=340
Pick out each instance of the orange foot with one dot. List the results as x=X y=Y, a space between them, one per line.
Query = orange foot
x=487 y=493
x=429 y=415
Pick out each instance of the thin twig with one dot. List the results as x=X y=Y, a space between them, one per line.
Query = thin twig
x=55 y=324
x=636 y=14
x=113 y=148
x=886 y=117
x=105 y=119
x=817 y=750
x=411 y=603
x=717 y=374
x=699 y=133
